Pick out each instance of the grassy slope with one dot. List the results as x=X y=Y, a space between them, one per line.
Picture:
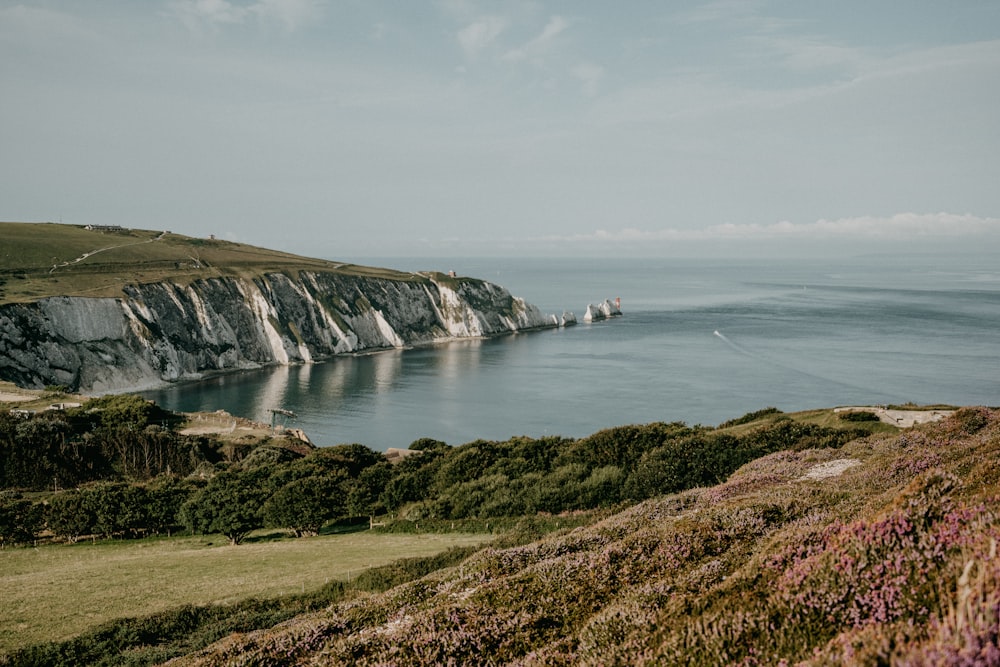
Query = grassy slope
x=29 y=251
x=61 y=591
x=892 y=560
x=55 y=592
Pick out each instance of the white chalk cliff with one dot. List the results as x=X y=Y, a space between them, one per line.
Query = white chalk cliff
x=163 y=332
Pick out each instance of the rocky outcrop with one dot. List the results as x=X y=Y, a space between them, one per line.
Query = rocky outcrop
x=602 y=311
x=163 y=332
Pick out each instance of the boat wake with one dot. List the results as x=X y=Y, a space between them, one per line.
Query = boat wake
x=778 y=364
x=738 y=348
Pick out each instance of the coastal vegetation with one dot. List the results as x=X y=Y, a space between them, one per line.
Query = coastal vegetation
x=629 y=542
x=117 y=467
x=880 y=551
x=131 y=536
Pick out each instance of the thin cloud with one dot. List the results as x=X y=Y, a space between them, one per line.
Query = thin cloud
x=722 y=10
x=479 y=34
x=899 y=226
x=290 y=14
x=21 y=21
x=213 y=14
x=198 y=13
x=902 y=226
x=589 y=75
x=538 y=46
x=808 y=53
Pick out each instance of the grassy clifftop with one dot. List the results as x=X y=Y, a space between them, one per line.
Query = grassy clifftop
x=38 y=260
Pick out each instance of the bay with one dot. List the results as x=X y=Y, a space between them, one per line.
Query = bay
x=701 y=341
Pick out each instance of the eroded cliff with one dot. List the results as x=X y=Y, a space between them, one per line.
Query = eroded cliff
x=161 y=332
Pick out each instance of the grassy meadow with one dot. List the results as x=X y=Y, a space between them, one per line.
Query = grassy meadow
x=55 y=592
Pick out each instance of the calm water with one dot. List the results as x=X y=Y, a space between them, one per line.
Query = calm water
x=700 y=342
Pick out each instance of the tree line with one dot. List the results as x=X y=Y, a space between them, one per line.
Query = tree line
x=129 y=474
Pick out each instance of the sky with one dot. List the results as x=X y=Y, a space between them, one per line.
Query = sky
x=351 y=128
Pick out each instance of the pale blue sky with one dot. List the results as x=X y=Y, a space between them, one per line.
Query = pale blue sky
x=361 y=128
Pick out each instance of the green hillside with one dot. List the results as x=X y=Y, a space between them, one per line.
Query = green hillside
x=771 y=538
x=882 y=551
x=47 y=259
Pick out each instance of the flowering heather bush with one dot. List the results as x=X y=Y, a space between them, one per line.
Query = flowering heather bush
x=967 y=631
x=768 y=471
x=740 y=486
x=970 y=420
x=867 y=572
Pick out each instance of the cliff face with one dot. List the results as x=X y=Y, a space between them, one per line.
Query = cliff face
x=164 y=331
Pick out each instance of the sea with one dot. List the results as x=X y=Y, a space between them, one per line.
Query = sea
x=700 y=341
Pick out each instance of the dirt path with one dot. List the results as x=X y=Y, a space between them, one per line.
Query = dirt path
x=110 y=247
x=10 y=397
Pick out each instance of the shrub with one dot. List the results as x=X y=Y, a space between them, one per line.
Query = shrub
x=858 y=416
x=750 y=417
x=970 y=420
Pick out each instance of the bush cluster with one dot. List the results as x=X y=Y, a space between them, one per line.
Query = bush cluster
x=614 y=466
x=895 y=562
x=858 y=416
x=108 y=438
x=860 y=570
x=147 y=487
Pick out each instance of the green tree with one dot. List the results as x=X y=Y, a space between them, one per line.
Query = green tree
x=466 y=463
x=36 y=459
x=622 y=446
x=560 y=490
x=352 y=459
x=428 y=444
x=491 y=495
x=268 y=457
x=20 y=519
x=304 y=505
x=339 y=461
x=71 y=515
x=115 y=410
x=119 y=509
x=231 y=504
x=412 y=478
x=364 y=492
x=603 y=488
x=164 y=499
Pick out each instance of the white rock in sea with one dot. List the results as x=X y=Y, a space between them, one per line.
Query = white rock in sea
x=568 y=319
x=602 y=311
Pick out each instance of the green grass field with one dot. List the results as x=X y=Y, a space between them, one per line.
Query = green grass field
x=55 y=592
x=47 y=259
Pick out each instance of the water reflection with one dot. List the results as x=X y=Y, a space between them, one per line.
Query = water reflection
x=365 y=398
x=833 y=344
